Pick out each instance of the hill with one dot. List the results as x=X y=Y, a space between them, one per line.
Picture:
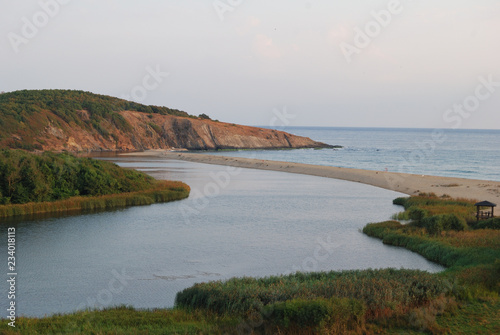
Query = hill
x=82 y=121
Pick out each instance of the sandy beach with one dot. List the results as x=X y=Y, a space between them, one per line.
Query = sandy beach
x=400 y=182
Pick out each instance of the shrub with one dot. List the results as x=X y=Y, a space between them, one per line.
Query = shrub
x=437 y=223
x=416 y=214
x=433 y=225
x=300 y=312
x=400 y=201
x=453 y=222
x=493 y=223
x=342 y=313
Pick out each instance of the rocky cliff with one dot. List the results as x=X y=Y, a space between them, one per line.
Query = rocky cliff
x=81 y=121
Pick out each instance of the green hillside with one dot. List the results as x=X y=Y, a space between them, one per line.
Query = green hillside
x=26 y=112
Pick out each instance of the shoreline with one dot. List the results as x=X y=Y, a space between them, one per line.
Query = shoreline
x=409 y=184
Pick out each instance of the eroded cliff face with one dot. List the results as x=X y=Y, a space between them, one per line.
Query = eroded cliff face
x=155 y=131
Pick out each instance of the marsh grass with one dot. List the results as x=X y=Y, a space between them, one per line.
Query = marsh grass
x=338 y=300
x=161 y=191
x=123 y=320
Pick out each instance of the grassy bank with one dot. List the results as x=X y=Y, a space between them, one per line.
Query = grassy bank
x=161 y=191
x=123 y=321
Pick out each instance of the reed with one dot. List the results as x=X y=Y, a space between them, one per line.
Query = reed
x=162 y=191
x=384 y=293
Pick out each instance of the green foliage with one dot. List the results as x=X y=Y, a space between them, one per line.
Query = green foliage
x=334 y=313
x=493 y=223
x=49 y=182
x=383 y=292
x=451 y=221
x=26 y=177
x=435 y=205
x=163 y=191
x=433 y=225
x=416 y=214
x=156 y=128
x=122 y=320
x=443 y=222
x=300 y=312
x=204 y=117
x=400 y=201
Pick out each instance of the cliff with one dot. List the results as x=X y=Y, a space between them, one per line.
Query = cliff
x=81 y=121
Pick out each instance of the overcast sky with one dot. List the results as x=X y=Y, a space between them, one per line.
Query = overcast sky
x=389 y=63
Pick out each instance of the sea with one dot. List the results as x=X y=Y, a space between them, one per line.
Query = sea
x=462 y=153
x=237 y=222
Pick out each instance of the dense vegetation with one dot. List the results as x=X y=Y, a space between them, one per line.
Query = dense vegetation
x=35 y=183
x=25 y=113
x=342 y=300
x=122 y=321
x=461 y=300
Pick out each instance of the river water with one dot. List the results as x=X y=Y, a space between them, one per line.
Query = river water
x=237 y=222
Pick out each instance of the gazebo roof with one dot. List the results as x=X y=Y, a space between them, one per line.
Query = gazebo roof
x=485 y=204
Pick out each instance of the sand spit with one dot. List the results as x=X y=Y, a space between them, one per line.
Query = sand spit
x=400 y=182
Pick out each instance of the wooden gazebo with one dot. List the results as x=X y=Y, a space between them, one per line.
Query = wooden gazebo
x=482 y=214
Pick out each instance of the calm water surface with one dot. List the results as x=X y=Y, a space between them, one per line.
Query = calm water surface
x=473 y=154
x=257 y=223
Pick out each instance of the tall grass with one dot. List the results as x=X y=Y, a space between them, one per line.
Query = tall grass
x=384 y=292
x=431 y=205
x=162 y=191
x=122 y=320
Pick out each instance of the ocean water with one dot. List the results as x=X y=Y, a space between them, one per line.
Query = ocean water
x=237 y=222
x=473 y=154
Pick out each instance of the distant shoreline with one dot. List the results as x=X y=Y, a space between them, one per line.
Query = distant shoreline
x=410 y=184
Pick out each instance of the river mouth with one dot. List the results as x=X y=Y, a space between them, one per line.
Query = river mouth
x=237 y=222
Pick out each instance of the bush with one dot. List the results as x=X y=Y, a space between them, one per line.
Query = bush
x=438 y=223
x=416 y=214
x=400 y=201
x=493 y=223
x=344 y=313
x=453 y=222
x=433 y=225
x=300 y=312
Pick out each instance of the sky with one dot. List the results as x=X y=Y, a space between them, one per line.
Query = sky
x=332 y=63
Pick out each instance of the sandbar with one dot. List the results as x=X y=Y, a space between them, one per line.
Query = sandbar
x=410 y=184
